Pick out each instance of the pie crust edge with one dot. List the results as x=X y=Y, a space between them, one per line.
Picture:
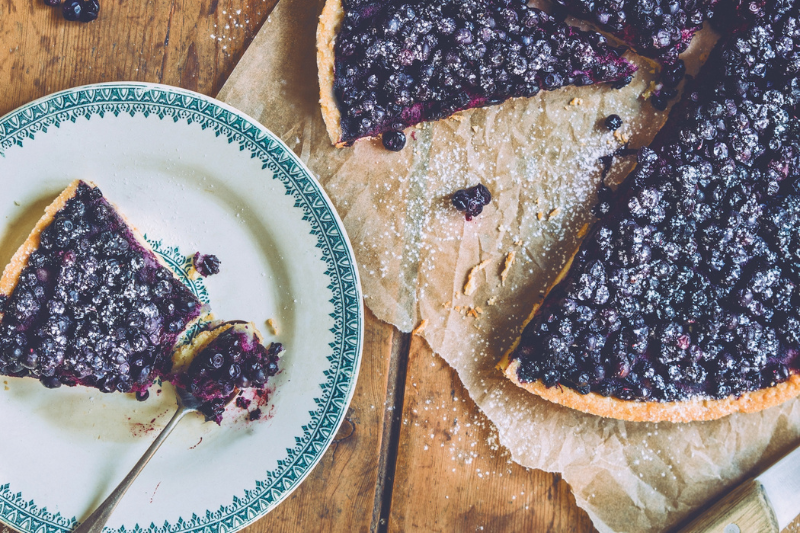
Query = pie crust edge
x=635 y=411
x=328 y=28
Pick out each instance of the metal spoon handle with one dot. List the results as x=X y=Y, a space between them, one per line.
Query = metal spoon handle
x=97 y=520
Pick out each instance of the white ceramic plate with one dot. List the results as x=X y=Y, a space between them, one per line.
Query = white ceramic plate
x=192 y=174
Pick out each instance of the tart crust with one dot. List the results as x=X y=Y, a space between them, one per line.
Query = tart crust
x=329 y=23
x=635 y=411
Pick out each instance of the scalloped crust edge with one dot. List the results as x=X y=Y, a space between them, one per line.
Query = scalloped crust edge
x=329 y=23
x=633 y=411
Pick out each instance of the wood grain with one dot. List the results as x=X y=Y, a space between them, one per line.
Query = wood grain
x=340 y=493
x=452 y=474
x=378 y=468
x=163 y=41
x=744 y=510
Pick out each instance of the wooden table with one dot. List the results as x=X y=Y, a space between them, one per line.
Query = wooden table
x=414 y=452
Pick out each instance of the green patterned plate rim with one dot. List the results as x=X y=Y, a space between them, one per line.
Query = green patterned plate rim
x=173 y=104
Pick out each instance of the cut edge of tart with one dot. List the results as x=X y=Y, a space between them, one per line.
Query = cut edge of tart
x=699 y=409
x=329 y=23
x=328 y=29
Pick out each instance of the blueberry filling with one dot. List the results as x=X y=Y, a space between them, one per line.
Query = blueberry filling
x=689 y=285
x=657 y=28
x=399 y=63
x=93 y=306
x=471 y=201
x=206 y=265
x=235 y=359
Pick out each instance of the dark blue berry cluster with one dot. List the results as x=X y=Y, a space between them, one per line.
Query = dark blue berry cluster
x=689 y=284
x=92 y=306
x=233 y=360
x=472 y=201
x=401 y=62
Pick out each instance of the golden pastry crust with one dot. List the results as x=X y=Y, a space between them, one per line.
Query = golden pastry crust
x=329 y=23
x=636 y=411
x=688 y=411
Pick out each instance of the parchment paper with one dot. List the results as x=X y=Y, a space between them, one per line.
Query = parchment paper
x=539 y=158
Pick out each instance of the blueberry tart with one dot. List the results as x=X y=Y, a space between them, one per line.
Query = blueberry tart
x=222 y=361
x=683 y=302
x=384 y=66
x=86 y=301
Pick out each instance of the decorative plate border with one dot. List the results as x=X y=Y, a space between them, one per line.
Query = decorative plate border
x=177 y=104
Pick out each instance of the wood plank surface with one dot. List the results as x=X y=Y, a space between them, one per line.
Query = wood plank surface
x=193 y=44
x=340 y=493
x=452 y=474
x=414 y=454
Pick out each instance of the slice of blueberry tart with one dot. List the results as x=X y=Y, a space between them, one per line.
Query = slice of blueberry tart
x=86 y=301
x=384 y=66
x=683 y=301
x=223 y=361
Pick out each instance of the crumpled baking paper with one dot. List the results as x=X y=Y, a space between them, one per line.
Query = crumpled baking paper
x=539 y=158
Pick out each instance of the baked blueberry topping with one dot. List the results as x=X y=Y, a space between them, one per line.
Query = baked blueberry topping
x=394 y=140
x=93 y=306
x=471 y=201
x=234 y=360
x=401 y=62
x=689 y=286
x=206 y=265
x=613 y=122
x=657 y=28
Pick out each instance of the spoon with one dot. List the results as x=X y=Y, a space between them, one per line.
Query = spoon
x=97 y=520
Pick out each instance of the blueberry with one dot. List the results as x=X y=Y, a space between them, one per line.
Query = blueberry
x=451 y=56
x=206 y=265
x=671 y=75
x=51 y=382
x=659 y=102
x=613 y=122
x=89 y=10
x=471 y=201
x=142 y=395
x=394 y=140
x=255 y=414
x=72 y=9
